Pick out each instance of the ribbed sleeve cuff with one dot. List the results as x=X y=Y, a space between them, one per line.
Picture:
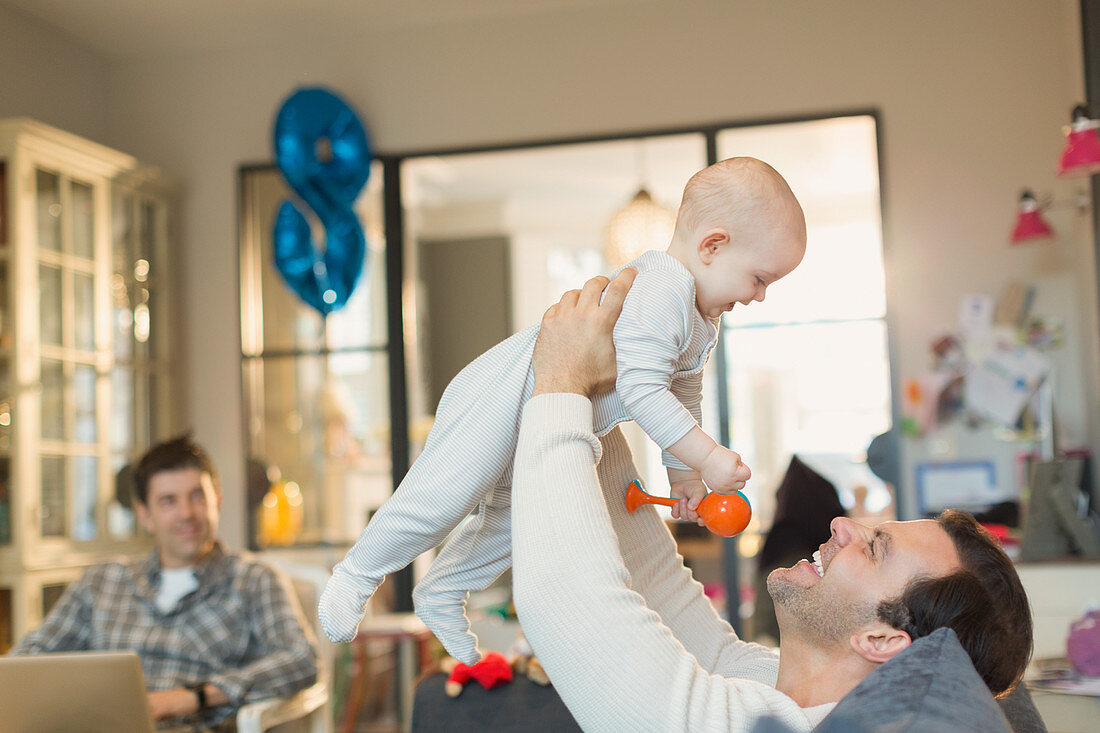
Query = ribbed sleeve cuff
x=564 y=409
x=561 y=415
x=670 y=461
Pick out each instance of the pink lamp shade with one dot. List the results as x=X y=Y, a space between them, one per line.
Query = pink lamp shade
x=1030 y=225
x=1081 y=156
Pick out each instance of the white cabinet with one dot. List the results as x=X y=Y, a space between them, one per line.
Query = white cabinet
x=84 y=234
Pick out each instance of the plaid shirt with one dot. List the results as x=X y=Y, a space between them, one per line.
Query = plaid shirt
x=238 y=631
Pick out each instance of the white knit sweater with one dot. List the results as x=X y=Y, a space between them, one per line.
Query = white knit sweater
x=628 y=638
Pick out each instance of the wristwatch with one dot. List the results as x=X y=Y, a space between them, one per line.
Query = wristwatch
x=200 y=693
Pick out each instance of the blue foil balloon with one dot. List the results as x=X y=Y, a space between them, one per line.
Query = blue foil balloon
x=324 y=153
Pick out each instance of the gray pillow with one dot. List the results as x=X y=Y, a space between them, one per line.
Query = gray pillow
x=931 y=687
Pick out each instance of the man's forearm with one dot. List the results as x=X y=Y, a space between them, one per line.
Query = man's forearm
x=567 y=560
x=276 y=675
x=558 y=384
x=569 y=564
x=182 y=701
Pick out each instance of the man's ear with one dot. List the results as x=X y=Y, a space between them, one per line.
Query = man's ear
x=878 y=644
x=213 y=484
x=142 y=513
x=710 y=243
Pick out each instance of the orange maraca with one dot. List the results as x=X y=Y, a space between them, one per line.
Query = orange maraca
x=723 y=514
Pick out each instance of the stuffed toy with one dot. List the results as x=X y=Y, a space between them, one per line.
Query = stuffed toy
x=531 y=667
x=491 y=671
x=494 y=669
x=1083 y=644
x=525 y=662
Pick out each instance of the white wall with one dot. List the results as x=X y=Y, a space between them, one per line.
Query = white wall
x=50 y=77
x=972 y=97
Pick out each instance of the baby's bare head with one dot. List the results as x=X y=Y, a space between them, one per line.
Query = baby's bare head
x=739 y=229
x=743 y=195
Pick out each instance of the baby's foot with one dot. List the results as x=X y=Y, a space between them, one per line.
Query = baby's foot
x=342 y=605
x=447 y=620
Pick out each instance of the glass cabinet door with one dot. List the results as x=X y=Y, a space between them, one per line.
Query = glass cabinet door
x=52 y=510
x=137 y=290
x=48 y=208
x=71 y=444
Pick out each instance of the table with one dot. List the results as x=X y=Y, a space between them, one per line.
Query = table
x=1064 y=713
x=413 y=654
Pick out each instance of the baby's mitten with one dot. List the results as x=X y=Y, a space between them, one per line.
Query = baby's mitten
x=492 y=671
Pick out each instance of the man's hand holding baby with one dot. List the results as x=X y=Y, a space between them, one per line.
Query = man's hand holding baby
x=575 y=351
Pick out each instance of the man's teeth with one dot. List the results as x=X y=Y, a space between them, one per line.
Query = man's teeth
x=817 y=563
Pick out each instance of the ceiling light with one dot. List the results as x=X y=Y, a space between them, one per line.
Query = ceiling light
x=641 y=225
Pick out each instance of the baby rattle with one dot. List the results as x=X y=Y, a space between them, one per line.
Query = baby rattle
x=723 y=514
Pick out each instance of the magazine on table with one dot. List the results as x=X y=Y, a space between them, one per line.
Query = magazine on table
x=1056 y=675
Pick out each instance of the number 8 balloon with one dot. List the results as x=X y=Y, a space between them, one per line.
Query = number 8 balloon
x=323 y=151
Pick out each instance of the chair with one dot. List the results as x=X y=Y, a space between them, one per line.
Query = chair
x=311 y=705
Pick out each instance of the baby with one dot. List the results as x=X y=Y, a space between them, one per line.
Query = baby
x=738 y=230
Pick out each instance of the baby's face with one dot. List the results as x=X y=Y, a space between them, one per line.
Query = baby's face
x=741 y=271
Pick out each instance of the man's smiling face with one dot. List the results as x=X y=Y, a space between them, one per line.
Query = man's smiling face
x=181 y=512
x=835 y=594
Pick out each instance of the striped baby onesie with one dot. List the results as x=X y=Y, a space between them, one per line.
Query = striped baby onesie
x=662 y=344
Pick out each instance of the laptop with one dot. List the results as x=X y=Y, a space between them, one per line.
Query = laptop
x=87 y=692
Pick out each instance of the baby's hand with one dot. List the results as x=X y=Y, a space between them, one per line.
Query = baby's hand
x=688 y=494
x=723 y=471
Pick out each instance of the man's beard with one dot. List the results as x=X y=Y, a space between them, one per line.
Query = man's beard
x=818 y=613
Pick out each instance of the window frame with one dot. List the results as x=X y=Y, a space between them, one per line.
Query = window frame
x=393 y=221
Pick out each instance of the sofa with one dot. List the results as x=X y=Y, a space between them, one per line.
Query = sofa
x=931 y=687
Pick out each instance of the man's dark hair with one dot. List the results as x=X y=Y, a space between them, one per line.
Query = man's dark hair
x=171 y=455
x=983 y=603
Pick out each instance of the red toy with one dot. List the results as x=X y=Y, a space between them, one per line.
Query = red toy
x=492 y=671
x=723 y=514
